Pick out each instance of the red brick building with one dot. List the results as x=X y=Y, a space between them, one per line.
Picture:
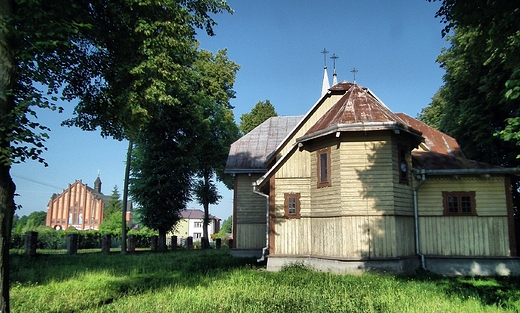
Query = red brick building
x=78 y=206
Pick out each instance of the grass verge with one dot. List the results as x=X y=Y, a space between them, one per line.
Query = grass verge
x=213 y=281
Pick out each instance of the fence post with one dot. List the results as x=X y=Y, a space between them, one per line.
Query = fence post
x=155 y=243
x=31 y=241
x=131 y=243
x=218 y=243
x=174 y=243
x=72 y=243
x=106 y=242
x=230 y=243
x=189 y=242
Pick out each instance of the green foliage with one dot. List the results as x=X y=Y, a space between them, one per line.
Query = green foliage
x=111 y=224
x=206 y=192
x=114 y=204
x=433 y=114
x=176 y=280
x=188 y=139
x=261 y=112
x=226 y=228
x=34 y=222
x=481 y=77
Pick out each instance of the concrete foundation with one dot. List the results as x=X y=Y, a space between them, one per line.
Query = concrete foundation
x=447 y=266
x=246 y=253
x=463 y=266
x=393 y=265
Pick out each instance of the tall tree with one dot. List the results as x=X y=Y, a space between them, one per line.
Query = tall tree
x=112 y=214
x=162 y=167
x=114 y=204
x=190 y=139
x=480 y=66
x=120 y=58
x=218 y=129
x=261 y=112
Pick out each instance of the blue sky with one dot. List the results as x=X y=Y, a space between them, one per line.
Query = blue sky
x=393 y=44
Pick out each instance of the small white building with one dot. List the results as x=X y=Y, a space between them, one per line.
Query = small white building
x=191 y=225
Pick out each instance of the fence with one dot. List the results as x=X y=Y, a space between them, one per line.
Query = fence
x=61 y=242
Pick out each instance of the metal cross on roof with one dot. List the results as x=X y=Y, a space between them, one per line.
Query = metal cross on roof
x=334 y=57
x=354 y=70
x=324 y=57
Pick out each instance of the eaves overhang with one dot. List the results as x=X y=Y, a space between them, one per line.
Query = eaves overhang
x=245 y=171
x=467 y=171
x=265 y=178
x=354 y=127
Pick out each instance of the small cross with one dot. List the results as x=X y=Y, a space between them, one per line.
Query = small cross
x=334 y=57
x=354 y=70
x=325 y=56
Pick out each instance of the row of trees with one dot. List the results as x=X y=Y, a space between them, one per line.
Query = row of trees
x=137 y=73
x=129 y=64
x=479 y=102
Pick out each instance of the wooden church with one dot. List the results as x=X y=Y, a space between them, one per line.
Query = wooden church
x=352 y=186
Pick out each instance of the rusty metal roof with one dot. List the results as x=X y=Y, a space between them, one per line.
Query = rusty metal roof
x=357 y=110
x=249 y=153
x=434 y=140
x=440 y=161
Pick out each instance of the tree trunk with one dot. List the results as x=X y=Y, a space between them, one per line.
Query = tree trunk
x=7 y=186
x=162 y=241
x=205 y=241
x=125 y=197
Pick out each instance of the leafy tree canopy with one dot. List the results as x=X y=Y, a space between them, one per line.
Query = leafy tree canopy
x=481 y=66
x=122 y=60
x=261 y=112
x=225 y=228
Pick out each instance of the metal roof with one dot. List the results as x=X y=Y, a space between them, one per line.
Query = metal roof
x=437 y=161
x=357 y=110
x=434 y=140
x=249 y=153
x=195 y=214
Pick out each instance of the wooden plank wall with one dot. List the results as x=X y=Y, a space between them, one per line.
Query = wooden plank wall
x=346 y=237
x=312 y=119
x=490 y=195
x=464 y=236
x=251 y=207
x=366 y=174
x=251 y=214
x=483 y=235
x=250 y=236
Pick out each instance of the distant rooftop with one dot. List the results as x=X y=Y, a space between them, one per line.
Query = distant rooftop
x=249 y=153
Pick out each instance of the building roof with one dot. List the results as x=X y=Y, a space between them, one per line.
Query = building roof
x=434 y=140
x=249 y=153
x=357 y=110
x=195 y=214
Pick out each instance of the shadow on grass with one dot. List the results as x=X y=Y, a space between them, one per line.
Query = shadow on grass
x=501 y=291
x=141 y=271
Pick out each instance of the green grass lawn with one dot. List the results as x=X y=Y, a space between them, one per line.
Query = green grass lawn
x=212 y=281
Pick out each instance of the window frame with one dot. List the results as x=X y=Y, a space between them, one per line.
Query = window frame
x=297 y=203
x=401 y=158
x=459 y=195
x=323 y=183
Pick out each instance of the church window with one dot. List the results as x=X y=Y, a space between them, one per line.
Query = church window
x=403 y=167
x=459 y=203
x=292 y=205
x=324 y=172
